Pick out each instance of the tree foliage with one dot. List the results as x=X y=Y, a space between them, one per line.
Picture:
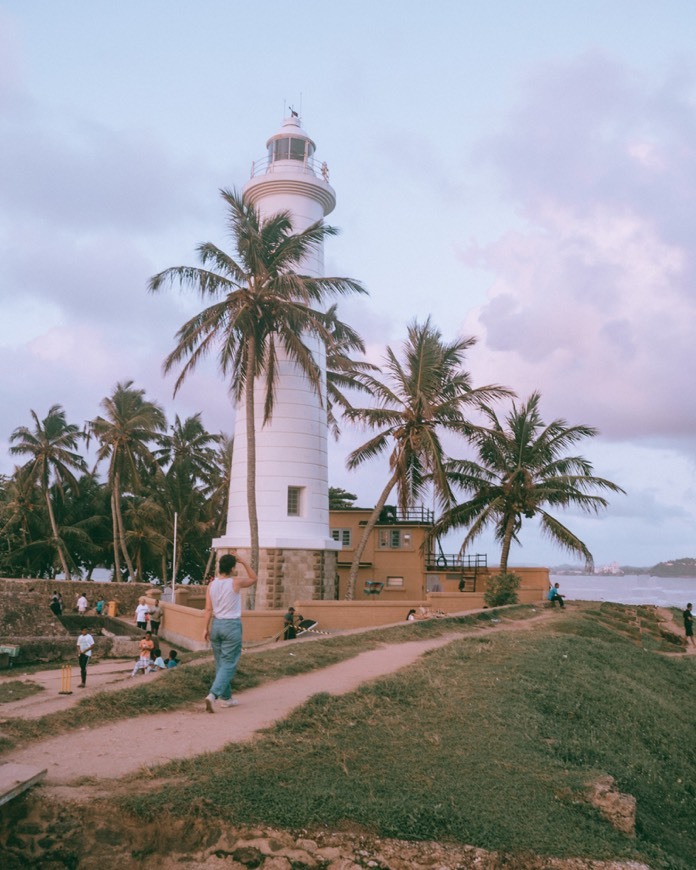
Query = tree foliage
x=524 y=471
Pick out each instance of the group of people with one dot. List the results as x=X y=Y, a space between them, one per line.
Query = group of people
x=148 y=617
x=150 y=659
x=81 y=605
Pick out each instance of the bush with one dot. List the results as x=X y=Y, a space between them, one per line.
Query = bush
x=502 y=589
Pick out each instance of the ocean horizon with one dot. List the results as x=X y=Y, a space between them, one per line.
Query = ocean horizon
x=628 y=589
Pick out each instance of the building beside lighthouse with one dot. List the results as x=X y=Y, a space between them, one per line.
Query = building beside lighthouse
x=297 y=555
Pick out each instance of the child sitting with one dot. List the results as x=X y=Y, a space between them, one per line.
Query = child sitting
x=173 y=660
x=158 y=664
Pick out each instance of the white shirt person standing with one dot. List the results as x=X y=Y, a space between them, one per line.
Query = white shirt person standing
x=85 y=643
x=223 y=610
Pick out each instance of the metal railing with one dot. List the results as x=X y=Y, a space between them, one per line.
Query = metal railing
x=391 y=514
x=309 y=165
x=456 y=562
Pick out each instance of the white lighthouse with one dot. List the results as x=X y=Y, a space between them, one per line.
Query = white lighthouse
x=297 y=556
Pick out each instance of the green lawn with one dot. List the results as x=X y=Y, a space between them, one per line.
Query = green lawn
x=490 y=741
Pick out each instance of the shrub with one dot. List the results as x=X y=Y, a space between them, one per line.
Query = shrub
x=502 y=589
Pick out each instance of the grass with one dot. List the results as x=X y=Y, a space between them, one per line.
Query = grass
x=187 y=684
x=15 y=690
x=490 y=741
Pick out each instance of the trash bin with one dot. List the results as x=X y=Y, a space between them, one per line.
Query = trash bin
x=113 y=608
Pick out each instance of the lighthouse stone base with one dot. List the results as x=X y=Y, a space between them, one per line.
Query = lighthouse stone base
x=287 y=575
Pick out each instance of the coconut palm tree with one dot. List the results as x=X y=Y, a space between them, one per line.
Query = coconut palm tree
x=420 y=395
x=52 y=445
x=524 y=468
x=218 y=490
x=129 y=425
x=261 y=302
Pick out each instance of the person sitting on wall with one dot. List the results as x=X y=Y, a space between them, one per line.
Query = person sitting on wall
x=289 y=630
x=554 y=595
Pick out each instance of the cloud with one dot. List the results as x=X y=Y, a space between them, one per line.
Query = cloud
x=594 y=297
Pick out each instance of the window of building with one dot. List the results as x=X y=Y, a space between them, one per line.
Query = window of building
x=394 y=539
x=342 y=535
x=395 y=582
x=294 y=501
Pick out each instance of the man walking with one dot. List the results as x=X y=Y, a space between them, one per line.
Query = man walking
x=85 y=643
x=223 y=610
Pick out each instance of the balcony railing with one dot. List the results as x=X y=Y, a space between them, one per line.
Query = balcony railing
x=309 y=165
x=391 y=514
x=456 y=562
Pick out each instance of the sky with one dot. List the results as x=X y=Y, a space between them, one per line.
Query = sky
x=522 y=173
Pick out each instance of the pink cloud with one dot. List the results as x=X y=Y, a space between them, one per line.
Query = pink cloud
x=594 y=300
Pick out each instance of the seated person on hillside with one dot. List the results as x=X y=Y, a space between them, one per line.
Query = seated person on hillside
x=411 y=615
x=146 y=647
x=554 y=595
x=142 y=663
x=173 y=659
x=157 y=663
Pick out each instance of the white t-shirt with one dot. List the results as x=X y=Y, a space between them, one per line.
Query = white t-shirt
x=81 y=604
x=141 y=612
x=85 y=641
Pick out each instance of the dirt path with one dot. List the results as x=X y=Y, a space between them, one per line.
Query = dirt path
x=123 y=747
x=102 y=676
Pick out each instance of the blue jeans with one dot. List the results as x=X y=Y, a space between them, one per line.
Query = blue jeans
x=226 y=641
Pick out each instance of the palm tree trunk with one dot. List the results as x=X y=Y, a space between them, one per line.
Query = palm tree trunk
x=371 y=523
x=114 y=526
x=251 y=464
x=507 y=541
x=54 y=530
x=121 y=530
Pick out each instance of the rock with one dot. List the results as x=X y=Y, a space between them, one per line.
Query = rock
x=617 y=808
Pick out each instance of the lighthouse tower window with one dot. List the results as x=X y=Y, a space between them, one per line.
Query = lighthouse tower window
x=295 y=501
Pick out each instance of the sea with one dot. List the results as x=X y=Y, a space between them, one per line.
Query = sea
x=628 y=588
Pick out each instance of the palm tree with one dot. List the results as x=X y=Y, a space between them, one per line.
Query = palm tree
x=23 y=520
x=261 y=302
x=51 y=445
x=188 y=455
x=523 y=467
x=130 y=424
x=218 y=490
x=423 y=393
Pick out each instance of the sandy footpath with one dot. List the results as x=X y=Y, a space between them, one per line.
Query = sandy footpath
x=119 y=748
